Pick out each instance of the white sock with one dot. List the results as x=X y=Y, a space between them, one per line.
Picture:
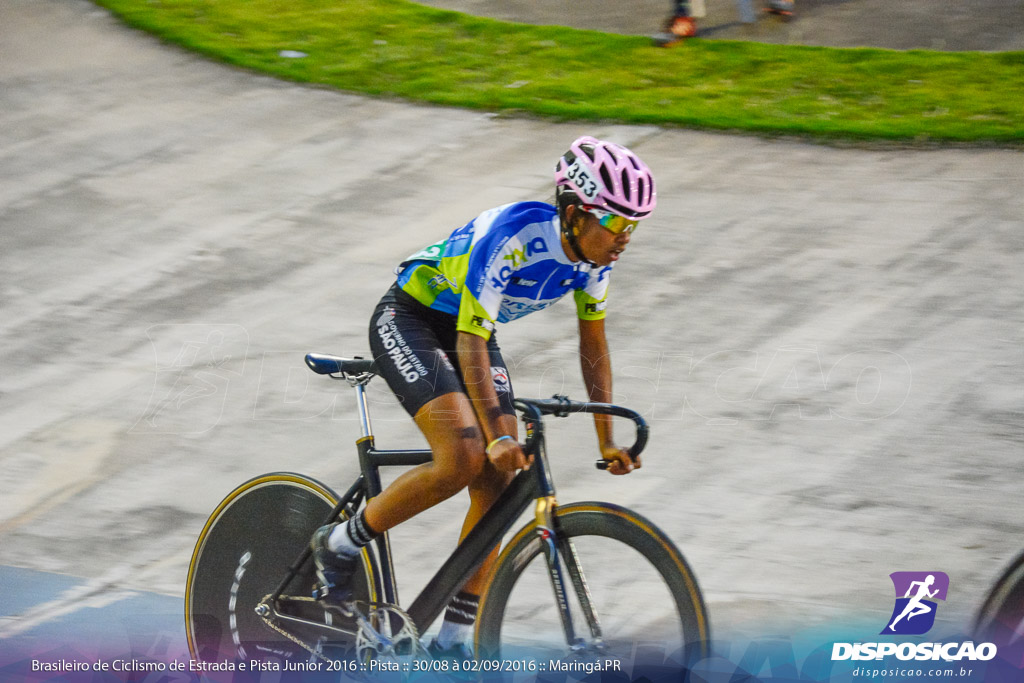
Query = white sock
x=452 y=634
x=457 y=626
x=349 y=537
x=340 y=543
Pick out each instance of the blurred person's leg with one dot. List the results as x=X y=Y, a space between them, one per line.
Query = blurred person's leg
x=746 y=11
x=783 y=8
x=679 y=26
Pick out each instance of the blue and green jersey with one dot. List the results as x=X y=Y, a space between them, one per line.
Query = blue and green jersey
x=503 y=264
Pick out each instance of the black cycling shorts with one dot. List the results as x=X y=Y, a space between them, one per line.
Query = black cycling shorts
x=414 y=347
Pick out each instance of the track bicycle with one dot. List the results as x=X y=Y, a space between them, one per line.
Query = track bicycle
x=583 y=580
x=1000 y=619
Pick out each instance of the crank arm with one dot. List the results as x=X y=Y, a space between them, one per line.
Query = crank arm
x=266 y=610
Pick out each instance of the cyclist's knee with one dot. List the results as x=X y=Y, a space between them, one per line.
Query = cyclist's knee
x=490 y=481
x=461 y=468
x=448 y=482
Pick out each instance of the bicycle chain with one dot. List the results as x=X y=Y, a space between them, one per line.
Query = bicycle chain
x=295 y=639
x=268 y=620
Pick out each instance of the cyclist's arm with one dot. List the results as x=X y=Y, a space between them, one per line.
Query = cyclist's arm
x=475 y=362
x=597 y=377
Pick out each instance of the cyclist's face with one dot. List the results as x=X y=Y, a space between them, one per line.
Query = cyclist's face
x=600 y=245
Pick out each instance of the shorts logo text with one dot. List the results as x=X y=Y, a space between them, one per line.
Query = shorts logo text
x=401 y=355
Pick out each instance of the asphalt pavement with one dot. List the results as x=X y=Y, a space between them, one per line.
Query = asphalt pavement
x=826 y=341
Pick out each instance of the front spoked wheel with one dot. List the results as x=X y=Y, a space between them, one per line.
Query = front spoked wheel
x=630 y=594
x=1001 y=617
x=242 y=556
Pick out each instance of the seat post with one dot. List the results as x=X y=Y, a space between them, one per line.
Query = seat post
x=365 y=428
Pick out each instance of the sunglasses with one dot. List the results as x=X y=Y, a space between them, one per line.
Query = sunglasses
x=612 y=222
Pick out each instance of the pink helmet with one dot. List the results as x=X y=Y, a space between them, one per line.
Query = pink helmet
x=606 y=176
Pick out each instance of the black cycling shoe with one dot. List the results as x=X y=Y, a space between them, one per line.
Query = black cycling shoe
x=334 y=572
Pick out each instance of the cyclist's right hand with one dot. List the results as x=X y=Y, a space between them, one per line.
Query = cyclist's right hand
x=507 y=455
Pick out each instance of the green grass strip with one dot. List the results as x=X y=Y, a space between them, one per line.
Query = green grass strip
x=399 y=48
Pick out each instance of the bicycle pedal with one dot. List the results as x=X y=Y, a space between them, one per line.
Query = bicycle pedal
x=322 y=595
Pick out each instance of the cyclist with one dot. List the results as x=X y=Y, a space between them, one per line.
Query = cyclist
x=432 y=336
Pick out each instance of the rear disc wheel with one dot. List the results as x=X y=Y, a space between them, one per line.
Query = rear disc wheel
x=242 y=555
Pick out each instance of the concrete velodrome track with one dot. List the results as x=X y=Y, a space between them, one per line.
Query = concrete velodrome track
x=827 y=341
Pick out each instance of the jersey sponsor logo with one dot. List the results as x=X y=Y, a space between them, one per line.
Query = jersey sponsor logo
x=431 y=253
x=445 y=360
x=512 y=309
x=596 y=307
x=439 y=281
x=482 y=322
x=502 y=385
x=518 y=257
x=523 y=282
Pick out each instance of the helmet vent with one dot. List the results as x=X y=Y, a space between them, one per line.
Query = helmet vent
x=626 y=189
x=624 y=210
x=606 y=176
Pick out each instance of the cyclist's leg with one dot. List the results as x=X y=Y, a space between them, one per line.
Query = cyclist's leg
x=483 y=491
x=454 y=638
x=450 y=427
x=413 y=345
x=486 y=488
x=444 y=413
x=405 y=343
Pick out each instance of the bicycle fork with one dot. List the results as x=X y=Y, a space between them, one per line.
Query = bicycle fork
x=558 y=553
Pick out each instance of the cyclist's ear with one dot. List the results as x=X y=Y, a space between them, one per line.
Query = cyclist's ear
x=572 y=218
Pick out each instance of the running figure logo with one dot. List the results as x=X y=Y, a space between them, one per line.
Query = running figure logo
x=916 y=593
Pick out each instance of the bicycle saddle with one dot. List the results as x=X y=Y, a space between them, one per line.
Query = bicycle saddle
x=324 y=364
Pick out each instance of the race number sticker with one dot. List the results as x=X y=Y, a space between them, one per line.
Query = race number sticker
x=588 y=185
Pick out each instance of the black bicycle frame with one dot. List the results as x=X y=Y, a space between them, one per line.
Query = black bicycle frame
x=527 y=486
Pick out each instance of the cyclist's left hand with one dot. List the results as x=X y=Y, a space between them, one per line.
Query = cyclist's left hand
x=619 y=460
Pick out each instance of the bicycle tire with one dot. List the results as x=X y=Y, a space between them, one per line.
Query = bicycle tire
x=1000 y=619
x=520 y=592
x=242 y=555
